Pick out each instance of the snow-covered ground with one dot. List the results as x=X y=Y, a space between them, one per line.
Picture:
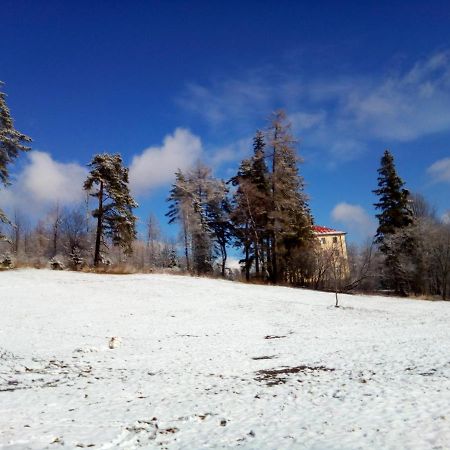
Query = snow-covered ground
x=216 y=364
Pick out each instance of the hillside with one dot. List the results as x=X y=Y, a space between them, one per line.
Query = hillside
x=214 y=364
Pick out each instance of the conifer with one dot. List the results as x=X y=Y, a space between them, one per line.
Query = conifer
x=12 y=142
x=115 y=219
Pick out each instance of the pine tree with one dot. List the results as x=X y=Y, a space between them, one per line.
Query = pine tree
x=199 y=189
x=188 y=205
x=250 y=206
x=289 y=216
x=395 y=216
x=179 y=211
x=218 y=218
x=242 y=214
x=259 y=177
x=115 y=219
x=393 y=200
x=11 y=143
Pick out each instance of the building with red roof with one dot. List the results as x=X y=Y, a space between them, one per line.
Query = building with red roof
x=331 y=239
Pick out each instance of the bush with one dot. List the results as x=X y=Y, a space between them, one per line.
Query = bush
x=55 y=264
x=6 y=262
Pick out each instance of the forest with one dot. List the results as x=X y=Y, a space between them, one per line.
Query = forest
x=262 y=213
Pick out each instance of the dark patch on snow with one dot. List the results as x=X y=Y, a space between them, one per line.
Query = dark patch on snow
x=258 y=358
x=41 y=374
x=270 y=336
x=273 y=377
x=172 y=430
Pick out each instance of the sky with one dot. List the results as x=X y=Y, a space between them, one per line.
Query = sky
x=167 y=83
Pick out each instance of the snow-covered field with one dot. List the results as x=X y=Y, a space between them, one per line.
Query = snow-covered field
x=215 y=364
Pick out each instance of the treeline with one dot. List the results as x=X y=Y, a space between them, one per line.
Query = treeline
x=262 y=211
x=66 y=238
x=413 y=243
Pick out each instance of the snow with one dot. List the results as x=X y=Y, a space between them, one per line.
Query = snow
x=186 y=373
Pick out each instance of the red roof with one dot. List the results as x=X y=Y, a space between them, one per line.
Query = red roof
x=324 y=230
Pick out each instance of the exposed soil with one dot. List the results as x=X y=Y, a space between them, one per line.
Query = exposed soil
x=273 y=377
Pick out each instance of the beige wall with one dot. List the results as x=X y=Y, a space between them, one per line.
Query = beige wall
x=330 y=240
x=336 y=241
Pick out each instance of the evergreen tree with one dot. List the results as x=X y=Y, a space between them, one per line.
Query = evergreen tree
x=115 y=219
x=199 y=188
x=393 y=200
x=11 y=143
x=394 y=217
x=289 y=216
x=259 y=177
x=271 y=217
x=242 y=214
x=189 y=198
x=179 y=211
x=250 y=206
x=218 y=210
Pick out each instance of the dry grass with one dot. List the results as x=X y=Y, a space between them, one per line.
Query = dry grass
x=129 y=269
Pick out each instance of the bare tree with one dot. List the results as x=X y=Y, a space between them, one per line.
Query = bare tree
x=55 y=219
x=153 y=238
x=440 y=257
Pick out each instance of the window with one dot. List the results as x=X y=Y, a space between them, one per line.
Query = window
x=335 y=241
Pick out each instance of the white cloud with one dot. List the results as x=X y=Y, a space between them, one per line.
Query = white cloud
x=402 y=106
x=446 y=218
x=156 y=166
x=354 y=218
x=236 y=151
x=47 y=180
x=43 y=182
x=227 y=99
x=406 y=106
x=302 y=120
x=440 y=170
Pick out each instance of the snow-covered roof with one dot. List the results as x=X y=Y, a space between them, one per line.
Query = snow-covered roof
x=318 y=229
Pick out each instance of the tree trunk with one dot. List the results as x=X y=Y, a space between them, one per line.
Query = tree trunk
x=256 y=259
x=98 y=238
x=247 y=262
x=224 y=259
x=56 y=231
x=186 y=247
x=274 y=259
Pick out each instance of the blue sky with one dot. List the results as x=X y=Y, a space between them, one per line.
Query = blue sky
x=166 y=83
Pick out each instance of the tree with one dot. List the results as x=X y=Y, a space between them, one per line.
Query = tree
x=395 y=215
x=250 y=204
x=199 y=202
x=115 y=219
x=393 y=200
x=19 y=226
x=153 y=239
x=218 y=219
x=55 y=218
x=440 y=258
x=420 y=207
x=289 y=217
x=242 y=214
x=271 y=217
x=11 y=143
x=74 y=232
x=180 y=210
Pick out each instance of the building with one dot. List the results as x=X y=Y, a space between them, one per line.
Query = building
x=333 y=243
x=330 y=238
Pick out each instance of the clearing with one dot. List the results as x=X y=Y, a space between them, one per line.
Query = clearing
x=214 y=364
